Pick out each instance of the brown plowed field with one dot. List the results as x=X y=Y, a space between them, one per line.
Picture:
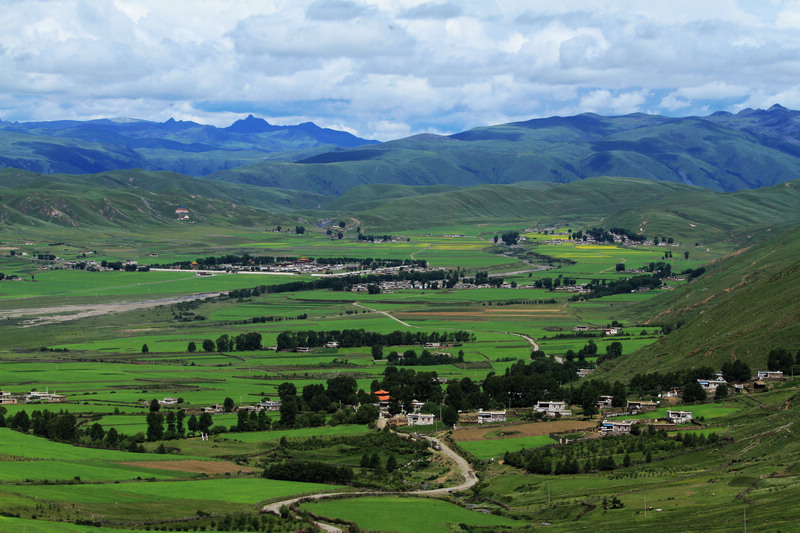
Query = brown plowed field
x=522 y=430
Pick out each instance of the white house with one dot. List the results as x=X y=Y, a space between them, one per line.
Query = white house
x=420 y=419
x=770 y=374
x=269 y=405
x=168 y=401
x=622 y=427
x=552 y=409
x=486 y=417
x=679 y=417
x=710 y=385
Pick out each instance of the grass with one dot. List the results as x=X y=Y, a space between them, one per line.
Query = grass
x=494 y=449
x=404 y=514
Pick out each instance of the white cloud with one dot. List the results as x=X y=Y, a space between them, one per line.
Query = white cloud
x=392 y=67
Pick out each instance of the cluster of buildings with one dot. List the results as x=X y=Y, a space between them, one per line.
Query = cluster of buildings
x=11 y=398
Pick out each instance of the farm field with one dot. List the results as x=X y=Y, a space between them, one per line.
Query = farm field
x=406 y=514
x=84 y=334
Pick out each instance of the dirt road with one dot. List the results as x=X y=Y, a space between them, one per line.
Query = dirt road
x=470 y=479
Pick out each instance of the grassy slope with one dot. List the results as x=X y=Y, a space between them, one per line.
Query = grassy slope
x=136 y=198
x=692 y=150
x=743 y=306
x=652 y=207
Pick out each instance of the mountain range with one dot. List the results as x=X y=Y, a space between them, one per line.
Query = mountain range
x=722 y=151
x=79 y=147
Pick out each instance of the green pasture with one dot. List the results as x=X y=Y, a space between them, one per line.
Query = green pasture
x=235 y=490
x=83 y=470
x=277 y=434
x=102 y=286
x=406 y=514
x=495 y=448
x=28 y=446
x=42 y=526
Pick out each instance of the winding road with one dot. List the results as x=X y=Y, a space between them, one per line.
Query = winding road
x=470 y=479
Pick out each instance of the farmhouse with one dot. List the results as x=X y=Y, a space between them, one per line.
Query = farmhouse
x=769 y=374
x=552 y=409
x=710 y=385
x=580 y=328
x=679 y=417
x=168 y=401
x=486 y=417
x=609 y=427
x=38 y=396
x=611 y=331
x=641 y=406
x=420 y=419
x=6 y=398
x=269 y=405
x=605 y=402
x=303 y=349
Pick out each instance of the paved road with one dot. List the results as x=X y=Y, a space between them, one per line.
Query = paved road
x=470 y=479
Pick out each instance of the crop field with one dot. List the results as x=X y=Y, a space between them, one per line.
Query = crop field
x=406 y=514
x=494 y=449
x=100 y=362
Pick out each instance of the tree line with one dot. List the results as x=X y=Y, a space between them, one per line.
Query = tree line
x=351 y=338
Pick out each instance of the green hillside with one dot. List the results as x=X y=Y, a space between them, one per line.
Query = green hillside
x=129 y=198
x=722 y=155
x=742 y=307
x=692 y=214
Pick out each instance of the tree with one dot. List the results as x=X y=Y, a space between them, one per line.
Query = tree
x=192 y=347
x=620 y=267
x=288 y=411
x=96 y=432
x=154 y=405
x=510 y=237
x=204 y=422
x=286 y=389
x=780 y=359
x=377 y=352
x=145 y=349
x=192 y=424
x=391 y=463
x=342 y=223
x=228 y=405
x=155 y=426
x=722 y=392
x=686 y=255
x=208 y=345
x=224 y=343
x=112 y=437
x=21 y=421
x=299 y=230
x=736 y=371
x=449 y=416
x=693 y=392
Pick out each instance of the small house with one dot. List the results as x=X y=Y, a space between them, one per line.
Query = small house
x=420 y=419
x=679 y=417
x=552 y=409
x=769 y=374
x=605 y=402
x=486 y=417
x=622 y=427
x=641 y=406
x=168 y=401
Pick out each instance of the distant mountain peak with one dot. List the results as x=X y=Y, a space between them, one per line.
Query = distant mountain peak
x=777 y=107
x=250 y=124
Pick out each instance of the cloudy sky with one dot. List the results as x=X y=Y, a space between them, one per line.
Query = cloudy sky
x=386 y=69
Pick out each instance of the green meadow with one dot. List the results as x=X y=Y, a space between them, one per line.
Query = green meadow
x=405 y=514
